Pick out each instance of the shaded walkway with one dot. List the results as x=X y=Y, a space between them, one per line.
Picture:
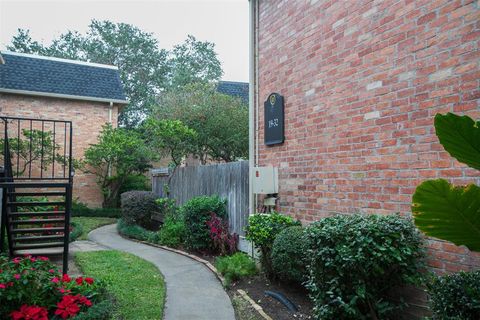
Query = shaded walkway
x=193 y=291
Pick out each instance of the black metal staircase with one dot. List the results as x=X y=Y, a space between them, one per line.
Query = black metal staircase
x=36 y=187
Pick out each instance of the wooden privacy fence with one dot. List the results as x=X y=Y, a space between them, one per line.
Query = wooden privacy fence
x=227 y=180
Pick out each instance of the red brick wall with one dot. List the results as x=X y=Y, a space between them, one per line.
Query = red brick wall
x=362 y=81
x=87 y=120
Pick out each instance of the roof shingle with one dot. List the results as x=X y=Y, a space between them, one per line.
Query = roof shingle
x=236 y=89
x=45 y=75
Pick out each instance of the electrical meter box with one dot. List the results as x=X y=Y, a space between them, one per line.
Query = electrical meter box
x=265 y=180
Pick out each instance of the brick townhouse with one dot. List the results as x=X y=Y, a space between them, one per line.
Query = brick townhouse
x=362 y=81
x=88 y=94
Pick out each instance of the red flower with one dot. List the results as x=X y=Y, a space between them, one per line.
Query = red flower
x=89 y=280
x=83 y=300
x=43 y=258
x=16 y=260
x=55 y=280
x=79 y=281
x=2 y=286
x=30 y=313
x=66 y=278
x=16 y=276
x=67 y=307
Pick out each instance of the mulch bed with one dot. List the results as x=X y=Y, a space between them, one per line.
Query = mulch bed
x=256 y=287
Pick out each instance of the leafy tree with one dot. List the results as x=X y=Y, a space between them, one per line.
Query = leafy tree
x=118 y=154
x=170 y=137
x=441 y=209
x=194 y=61
x=220 y=121
x=35 y=149
x=145 y=69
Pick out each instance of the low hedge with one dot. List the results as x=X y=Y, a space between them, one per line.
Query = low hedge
x=288 y=255
x=135 y=231
x=139 y=207
x=80 y=209
x=355 y=260
x=455 y=296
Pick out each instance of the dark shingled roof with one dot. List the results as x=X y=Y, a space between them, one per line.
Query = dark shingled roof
x=236 y=89
x=46 y=76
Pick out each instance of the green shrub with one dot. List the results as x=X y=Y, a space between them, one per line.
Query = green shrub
x=138 y=207
x=197 y=212
x=288 y=255
x=354 y=260
x=262 y=230
x=80 y=209
x=134 y=231
x=76 y=231
x=135 y=182
x=235 y=267
x=100 y=311
x=166 y=207
x=456 y=296
x=172 y=233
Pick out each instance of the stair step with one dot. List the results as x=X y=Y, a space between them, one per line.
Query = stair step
x=52 y=252
x=37 y=221
x=34 y=184
x=38 y=193
x=38 y=245
x=32 y=230
x=36 y=203
x=39 y=213
x=38 y=238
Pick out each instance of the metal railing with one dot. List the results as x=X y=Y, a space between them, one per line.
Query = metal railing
x=37 y=149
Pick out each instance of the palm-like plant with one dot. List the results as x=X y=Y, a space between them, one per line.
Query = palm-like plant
x=445 y=211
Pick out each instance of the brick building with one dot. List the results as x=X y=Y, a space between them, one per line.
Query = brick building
x=362 y=81
x=88 y=94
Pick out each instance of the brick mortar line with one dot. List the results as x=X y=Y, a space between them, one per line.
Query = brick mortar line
x=244 y=295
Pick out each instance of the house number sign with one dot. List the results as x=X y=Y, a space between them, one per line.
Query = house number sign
x=274 y=119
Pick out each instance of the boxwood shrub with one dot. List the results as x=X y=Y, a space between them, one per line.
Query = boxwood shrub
x=196 y=212
x=355 y=260
x=456 y=296
x=288 y=255
x=138 y=207
x=262 y=230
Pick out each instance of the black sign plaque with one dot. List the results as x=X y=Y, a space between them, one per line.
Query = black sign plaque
x=274 y=119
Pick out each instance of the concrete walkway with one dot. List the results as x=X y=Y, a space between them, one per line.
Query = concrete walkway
x=193 y=291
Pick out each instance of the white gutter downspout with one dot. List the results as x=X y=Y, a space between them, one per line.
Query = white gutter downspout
x=110 y=111
x=251 y=107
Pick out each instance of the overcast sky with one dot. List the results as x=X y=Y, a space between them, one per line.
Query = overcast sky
x=223 y=22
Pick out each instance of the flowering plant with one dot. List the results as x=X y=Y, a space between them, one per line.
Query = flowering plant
x=223 y=241
x=33 y=288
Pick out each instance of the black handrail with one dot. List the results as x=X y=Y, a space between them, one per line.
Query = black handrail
x=38 y=147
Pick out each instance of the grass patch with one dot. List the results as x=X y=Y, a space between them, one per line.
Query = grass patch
x=136 y=285
x=90 y=223
x=235 y=267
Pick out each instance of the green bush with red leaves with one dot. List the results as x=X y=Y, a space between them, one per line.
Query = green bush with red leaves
x=33 y=288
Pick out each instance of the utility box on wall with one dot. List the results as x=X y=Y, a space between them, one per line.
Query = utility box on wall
x=265 y=180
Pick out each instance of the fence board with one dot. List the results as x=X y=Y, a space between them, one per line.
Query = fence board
x=227 y=180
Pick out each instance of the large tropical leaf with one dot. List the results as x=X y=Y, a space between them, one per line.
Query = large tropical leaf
x=447 y=212
x=460 y=136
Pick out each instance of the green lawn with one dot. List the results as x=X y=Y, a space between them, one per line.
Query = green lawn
x=136 y=284
x=90 y=223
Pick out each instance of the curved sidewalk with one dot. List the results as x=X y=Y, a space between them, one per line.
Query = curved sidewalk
x=193 y=291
